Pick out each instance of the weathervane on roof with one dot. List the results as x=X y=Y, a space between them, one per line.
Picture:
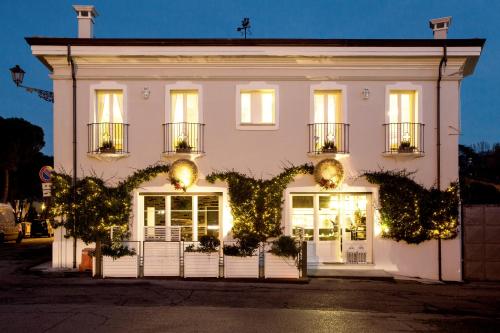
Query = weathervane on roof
x=245 y=25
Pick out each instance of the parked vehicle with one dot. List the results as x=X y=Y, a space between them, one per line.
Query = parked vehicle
x=41 y=228
x=8 y=228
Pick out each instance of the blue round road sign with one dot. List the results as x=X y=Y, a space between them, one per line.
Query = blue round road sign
x=45 y=173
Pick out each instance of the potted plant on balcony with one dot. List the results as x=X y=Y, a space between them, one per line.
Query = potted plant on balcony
x=107 y=147
x=183 y=147
x=202 y=260
x=241 y=260
x=406 y=147
x=281 y=261
x=329 y=147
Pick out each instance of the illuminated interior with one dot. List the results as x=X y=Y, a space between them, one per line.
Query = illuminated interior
x=327 y=111
x=110 y=111
x=196 y=215
x=258 y=106
x=403 y=108
x=184 y=110
x=334 y=222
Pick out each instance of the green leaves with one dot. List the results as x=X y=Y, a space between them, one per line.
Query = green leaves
x=413 y=213
x=256 y=203
x=98 y=207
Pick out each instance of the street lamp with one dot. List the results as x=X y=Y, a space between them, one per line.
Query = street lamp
x=18 y=76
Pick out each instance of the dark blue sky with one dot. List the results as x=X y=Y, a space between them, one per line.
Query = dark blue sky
x=270 y=19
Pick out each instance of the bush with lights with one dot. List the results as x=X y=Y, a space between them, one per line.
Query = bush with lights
x=256 y=203
x=412 y=213
x=97 y=208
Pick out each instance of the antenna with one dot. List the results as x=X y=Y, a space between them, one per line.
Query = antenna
x=245 y=25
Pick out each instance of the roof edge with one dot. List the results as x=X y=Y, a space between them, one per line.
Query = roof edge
x=55 y=41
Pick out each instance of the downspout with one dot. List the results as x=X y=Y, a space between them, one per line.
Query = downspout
x=73 y=77
x=442 y=63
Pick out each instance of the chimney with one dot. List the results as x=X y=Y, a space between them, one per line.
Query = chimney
x=85 y=15
x=440 y=26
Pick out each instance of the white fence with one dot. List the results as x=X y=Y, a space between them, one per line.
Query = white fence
x=161 y=258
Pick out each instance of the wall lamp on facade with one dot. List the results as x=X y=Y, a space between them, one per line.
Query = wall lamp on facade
x=18 y=76
x=146 y=92
x=365 y=93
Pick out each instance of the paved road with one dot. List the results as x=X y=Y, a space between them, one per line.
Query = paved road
x=34 y=303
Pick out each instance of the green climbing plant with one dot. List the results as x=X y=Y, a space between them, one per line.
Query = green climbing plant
x=256 y=204
x=412 y=213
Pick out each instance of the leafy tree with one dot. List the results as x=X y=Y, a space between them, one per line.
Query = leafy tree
x=97 y=208
x=21 y=141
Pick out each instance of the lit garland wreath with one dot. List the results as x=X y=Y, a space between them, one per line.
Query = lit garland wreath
x=329 y=173
x=183 y=173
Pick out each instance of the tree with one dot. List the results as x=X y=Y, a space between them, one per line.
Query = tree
x=21 y=141
x=97 y=208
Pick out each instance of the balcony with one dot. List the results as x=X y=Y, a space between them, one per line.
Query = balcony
x=328 y=138
x=183 y=138
x=404 y=138
x=108 y=139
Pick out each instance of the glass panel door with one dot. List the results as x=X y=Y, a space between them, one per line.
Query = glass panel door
x=181 y=214
x=208 y=215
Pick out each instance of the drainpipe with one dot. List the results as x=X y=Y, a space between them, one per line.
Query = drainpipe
x=438 y=143
x=73 y=77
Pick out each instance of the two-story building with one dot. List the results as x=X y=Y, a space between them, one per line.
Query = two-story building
x=253 y=105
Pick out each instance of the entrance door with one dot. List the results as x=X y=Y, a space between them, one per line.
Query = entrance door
x=335 y=226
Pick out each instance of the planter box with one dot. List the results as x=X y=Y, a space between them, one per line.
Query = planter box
x=198 y=264
x=280 y=267
x=241 y=267
x=162 y=259
x=126 y=266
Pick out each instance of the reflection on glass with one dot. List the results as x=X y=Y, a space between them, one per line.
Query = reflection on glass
x=303 y=217
x=355 y=217
x=154 y=211
x=181 y=215
x=208 y=215
x=329 y=218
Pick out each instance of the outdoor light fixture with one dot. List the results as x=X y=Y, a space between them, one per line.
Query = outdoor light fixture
x=365 y=93
x=146 y=92
x=18 y=76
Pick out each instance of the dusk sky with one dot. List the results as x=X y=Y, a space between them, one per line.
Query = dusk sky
x=269 y=19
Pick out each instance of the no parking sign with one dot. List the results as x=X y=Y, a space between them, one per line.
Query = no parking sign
x=45 y=173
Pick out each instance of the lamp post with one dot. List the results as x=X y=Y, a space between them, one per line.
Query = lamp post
x=18 y=76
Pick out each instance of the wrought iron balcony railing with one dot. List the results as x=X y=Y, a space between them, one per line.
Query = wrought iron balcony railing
x=329 y=138
x=183 y=138
x=108 y=138
x=401 y=138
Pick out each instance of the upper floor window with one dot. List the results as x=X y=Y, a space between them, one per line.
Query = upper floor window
x=404 y=132
x=108 y=131
x=403 y=106
x=109 y=108
x=183 y=131
x=327 y=106
x=328 y=132
x=184 y=106
x=257 y=107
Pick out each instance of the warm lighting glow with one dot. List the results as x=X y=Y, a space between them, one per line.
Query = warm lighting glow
x=257 y=106
x=183 y=173
x=42 y=207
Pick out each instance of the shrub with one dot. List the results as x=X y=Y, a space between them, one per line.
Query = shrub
x=285 y=246
x=245 y=246
x=208 y=243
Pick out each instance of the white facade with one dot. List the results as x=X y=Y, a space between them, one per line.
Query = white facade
x=146 y=85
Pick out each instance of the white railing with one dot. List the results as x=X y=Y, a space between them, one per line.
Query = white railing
x=162 y=233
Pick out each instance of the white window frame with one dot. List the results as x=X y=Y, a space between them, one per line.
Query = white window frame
x=257 y=86
x=182 y=85
x=329 y=86
x=404 y=86
x=106 y=85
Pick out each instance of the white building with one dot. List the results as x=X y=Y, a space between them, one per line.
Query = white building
x=252 y=105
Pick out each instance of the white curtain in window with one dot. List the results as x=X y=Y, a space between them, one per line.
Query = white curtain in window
x=184 y=117
x=257 y=107
x=109 y=117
